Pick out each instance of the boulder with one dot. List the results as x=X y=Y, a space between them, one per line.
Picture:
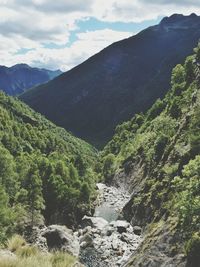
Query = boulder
x=115 y=243
x=108 y=231
x=94 y=222
x=86 y=240
x=126 y=238
x=120 y=225
x=62 y=238
x=137 y=230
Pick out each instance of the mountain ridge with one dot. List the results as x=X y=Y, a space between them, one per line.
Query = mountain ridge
x=18 y=78
x=123 y=79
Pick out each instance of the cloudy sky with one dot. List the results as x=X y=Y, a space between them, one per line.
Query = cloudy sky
x=63 y=33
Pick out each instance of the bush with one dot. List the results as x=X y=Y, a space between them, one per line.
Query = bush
x=30 y=256
x=27 y=251
x=15 y=243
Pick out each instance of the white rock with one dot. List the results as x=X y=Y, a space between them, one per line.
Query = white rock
x=95 y=222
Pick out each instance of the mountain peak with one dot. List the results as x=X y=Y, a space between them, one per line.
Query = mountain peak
x=20 y=65
x=178 y=18
x=20 y=77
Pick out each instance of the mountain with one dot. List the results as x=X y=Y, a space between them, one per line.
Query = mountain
x=123 y=79
x=156 y=157
x=46 y=173
x=17 y=79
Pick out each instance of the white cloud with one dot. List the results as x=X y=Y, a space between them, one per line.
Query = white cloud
x=88 y=43
x=141 y=10
x=31 y=24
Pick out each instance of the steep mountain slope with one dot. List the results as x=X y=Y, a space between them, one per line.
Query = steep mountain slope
x=123 y=79
x=17 y=79
x=156 y=156
x=45 y=172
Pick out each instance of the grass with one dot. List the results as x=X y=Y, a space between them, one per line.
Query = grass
x=61 y=259
x=27 y=251
x=16 y=242
x=30 y=256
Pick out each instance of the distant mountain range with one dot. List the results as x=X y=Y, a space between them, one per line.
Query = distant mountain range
x=17 y=79
x=123 y=79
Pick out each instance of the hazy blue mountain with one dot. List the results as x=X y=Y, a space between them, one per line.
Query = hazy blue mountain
x=17 y=79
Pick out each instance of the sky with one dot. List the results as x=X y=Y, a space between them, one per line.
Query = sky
x=60 y=34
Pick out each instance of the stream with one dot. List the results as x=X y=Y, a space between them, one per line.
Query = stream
x=110 y=202
x=107 y=240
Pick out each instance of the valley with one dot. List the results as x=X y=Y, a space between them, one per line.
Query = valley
x=135 y=202
x=122 y=80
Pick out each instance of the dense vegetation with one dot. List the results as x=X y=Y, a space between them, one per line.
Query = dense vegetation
x=124 y=79
x=47 y=175
x=45 y=172
x=160 y=152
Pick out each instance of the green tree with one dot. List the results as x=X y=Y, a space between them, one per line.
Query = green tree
x=189 y=69
x=109 y=167
x=8 y=177
x=197 y=52
x=85 y=192
x=34 y=195
x=178 y=75
x=188 y=198
x=6 y=216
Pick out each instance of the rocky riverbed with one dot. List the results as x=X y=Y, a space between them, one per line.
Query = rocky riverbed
x=107 y=239
x=103 y=240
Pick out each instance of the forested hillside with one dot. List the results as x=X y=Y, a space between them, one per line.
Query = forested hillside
x=123 y=79
x=46 y=173
x=156 y=156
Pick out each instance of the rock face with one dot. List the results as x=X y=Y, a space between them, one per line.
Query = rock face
x=159 y=249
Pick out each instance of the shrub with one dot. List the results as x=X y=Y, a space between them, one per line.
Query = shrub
x=15 y=243
x=27 y=251
x=31 y=256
